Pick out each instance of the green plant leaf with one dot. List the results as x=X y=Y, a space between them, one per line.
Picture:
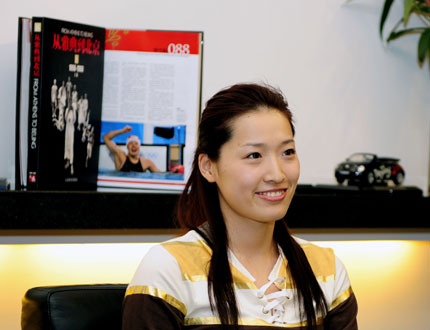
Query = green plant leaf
x=423 y=10
x=384 y=15
x=424 y=46
x=407 y=10
x=397 y=34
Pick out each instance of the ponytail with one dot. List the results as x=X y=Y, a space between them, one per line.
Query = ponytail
x=302 y=276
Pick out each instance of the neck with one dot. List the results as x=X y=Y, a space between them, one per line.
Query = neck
x=133 y=158
x=253 y=245
x=251 y=240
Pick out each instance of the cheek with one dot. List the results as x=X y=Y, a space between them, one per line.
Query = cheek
x=237 y=173
x=235 y=179
x=293 y=171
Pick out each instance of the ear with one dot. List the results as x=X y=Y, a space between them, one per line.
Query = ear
x=207 y=168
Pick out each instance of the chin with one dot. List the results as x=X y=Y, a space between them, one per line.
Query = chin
x=268 y=218
x=275 y=213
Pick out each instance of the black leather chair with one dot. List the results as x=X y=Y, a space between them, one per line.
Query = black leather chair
x=73 y=307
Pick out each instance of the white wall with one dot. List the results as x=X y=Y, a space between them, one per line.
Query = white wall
x=348 y=92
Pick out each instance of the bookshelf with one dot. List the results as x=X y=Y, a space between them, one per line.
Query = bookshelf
x=312 y=207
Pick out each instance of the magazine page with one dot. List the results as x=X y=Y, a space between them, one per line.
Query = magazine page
x=151 y=109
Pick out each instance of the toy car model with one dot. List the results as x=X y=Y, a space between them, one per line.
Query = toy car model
x=369 y=169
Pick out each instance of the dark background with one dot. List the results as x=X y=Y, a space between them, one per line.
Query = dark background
x=312 y=207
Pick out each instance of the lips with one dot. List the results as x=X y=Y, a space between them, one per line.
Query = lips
x=272 y=195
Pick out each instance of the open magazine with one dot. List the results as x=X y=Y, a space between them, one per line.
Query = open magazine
x=152 y=94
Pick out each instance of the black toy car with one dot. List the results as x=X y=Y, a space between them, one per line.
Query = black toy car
x=369 y=169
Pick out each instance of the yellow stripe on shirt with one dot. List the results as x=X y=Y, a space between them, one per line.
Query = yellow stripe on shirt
x=144 y=289
x=245 y=321
x=341 y=298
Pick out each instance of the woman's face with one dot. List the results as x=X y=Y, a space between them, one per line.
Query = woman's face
x=258 y=169
x=133 y=148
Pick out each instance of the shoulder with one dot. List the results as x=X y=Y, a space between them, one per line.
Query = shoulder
x=331 y=274
x=184 y=245
x=119 y=153
x=146 y=162
x=166 y=267
x=321 y=259
x=170 y=262
x=191 y=253
x=329 y=270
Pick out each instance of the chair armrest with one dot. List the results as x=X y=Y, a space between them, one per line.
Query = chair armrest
x=73 y=307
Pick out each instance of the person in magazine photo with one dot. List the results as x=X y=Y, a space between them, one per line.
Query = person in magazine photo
x=61 y=104
x=54 y=104
x=238 y=266
x=130 y=161
x=69 y=85
x=88 y=135
x=82 y=106
x=73 y=116
x=69 y=139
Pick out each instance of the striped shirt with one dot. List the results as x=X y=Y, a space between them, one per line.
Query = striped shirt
x=170 y=290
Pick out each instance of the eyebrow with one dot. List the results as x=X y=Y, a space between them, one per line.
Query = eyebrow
x=259 y=144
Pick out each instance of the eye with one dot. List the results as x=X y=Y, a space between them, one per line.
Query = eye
x=289 y=152
x=253 y=155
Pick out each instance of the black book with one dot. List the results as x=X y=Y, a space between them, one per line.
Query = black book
x=59 y=104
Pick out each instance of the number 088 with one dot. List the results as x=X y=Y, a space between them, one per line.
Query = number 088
x=181 y=49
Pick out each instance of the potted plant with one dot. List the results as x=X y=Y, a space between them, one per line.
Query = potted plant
x=418 y=8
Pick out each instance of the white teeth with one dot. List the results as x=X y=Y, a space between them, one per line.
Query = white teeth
x=273 y=193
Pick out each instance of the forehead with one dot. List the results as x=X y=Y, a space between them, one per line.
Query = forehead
x=269 y=121
x=133 y=142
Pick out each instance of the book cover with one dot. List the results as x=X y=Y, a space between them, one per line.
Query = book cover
x=65 y=104
x=151 y=109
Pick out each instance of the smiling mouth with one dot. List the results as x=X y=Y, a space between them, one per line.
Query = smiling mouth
x=274 y=195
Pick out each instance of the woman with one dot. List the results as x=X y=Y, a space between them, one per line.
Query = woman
x=69 y=139
x=130 y=161
x=238 y=264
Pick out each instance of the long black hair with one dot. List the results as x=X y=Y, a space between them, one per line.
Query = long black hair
x=199 y=203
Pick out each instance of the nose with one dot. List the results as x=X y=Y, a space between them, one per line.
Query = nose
x=274 y=171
